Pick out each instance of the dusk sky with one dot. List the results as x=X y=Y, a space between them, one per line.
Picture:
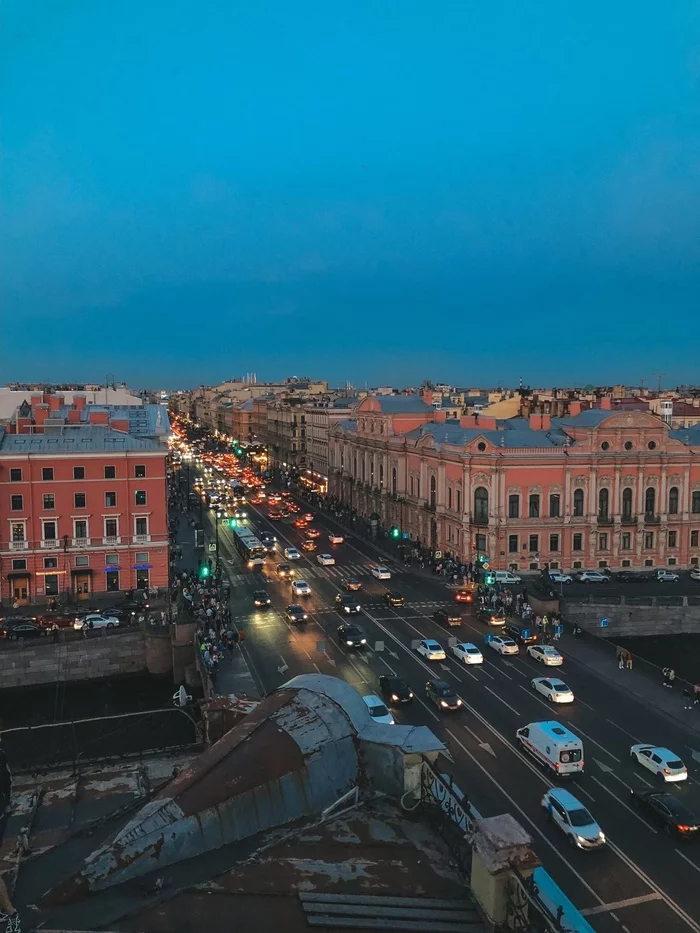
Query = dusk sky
x=373 y=191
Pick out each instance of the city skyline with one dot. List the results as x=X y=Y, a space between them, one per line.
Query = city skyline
x=494 y=192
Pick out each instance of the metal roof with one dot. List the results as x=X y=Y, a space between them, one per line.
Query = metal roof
x=402 y=404
x=83 y=438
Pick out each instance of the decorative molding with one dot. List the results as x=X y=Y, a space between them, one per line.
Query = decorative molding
x=555 y=490
x=604 y=481
x=628 y=480
x=534 y=490
x=514 y=490
x=652 y=480
x=483 y=479
x=675 y=479
x=580 y=482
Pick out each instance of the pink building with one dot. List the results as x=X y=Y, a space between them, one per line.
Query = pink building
x=599 y=488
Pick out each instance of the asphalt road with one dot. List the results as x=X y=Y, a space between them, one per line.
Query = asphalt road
x=642 y=881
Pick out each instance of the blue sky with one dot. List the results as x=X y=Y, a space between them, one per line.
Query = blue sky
x=369 y=191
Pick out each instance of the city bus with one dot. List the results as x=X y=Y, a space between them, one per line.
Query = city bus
x=251 y=550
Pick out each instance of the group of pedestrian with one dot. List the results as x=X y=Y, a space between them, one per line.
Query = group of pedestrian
x=624 y=659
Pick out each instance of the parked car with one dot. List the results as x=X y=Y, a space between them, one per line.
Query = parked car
x=557 y=576
x=442 y=695
x=669 y=812
x=628 y=576
x=95 y=620
x=395 y=689
x=448 y=617
x=695 y=573
x=667 y=576
x=22 y=628
x=59 y=619
x=592 y=576
x=507 y=578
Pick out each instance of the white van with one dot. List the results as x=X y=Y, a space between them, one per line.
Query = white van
x=554 y=746
x=506 y=577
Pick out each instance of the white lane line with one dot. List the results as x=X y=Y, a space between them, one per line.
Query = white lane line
x=628 y=902
x=576 y=728
x=612 y=723
x=427 y=708
x=622 y=803
x=535 y=696
x=493 y=693
x=356 y=668
x=386 y=664
x=642 y=779
x=688 y=860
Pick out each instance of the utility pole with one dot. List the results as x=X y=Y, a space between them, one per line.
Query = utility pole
x=660 y=375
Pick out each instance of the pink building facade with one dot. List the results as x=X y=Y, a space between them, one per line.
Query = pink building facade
x=599 y=489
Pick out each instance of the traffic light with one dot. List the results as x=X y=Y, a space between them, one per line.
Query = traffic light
x=489 y=578
x=203 y=573
x=395 y=532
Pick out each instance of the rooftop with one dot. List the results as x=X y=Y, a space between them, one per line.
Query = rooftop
x=83 y=438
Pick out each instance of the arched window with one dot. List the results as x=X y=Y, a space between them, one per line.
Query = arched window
x=603 y=503
x=481 y=505
x=627 y=503
x=393 y=480
x=673 y=500
x=534 y=506
x=650 y=502
x=514 y=506
x=433 y=491
x=578 y=501
x=696 y=503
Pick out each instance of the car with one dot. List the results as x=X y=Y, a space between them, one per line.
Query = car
x=506 y=577
x=570 y=815
x=558 y=576
x=380 y=573
x=335 y=539
x=662 y=762
x=695 y=573
x=301 y=588
x=291 y=553
x=464 y=596
x=325 y=560
x=393 y=599
x=23 y=628
x=299 y=523
x=592 y=576
x=261 y=600
x=522 y=632
x=546 y=655
x=351 y=635
x=442 y=695
x=448 y=617
x=309 y=517
x=266 y=537
x=556 y=691
x=59 y=619
x=668 y=811
x=296 y=613
x=309 y=545
x=503 y=645
x=347 y=604
x=313 y=533
x=491 y=616
x=95 y=620
x=275 y=515
x=395 y=689
x=352 y=585
x=240 y=513
x=627 y=576
x=667 y=576
x=467 y=653
x=285 y=571
x=431 y=650
x=378 y=710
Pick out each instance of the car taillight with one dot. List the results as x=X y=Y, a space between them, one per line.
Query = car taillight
x=556 y=765
x=682 y=828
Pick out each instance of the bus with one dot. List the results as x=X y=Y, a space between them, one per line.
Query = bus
x=248 y=546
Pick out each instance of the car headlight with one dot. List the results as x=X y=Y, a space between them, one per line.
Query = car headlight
x=394 y=698
x=581 y=839
x=348 y=642
x=601 y=836
x=363 y=641
x=459 y=702
x=443 y=703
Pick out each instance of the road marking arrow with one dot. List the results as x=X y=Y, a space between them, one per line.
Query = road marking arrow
x=394 y=654
x=694 y=755
x=508 y=663
x=447 y=670
x=603 y=767
x=487 y=748
x=283 y=666
x=329 y=659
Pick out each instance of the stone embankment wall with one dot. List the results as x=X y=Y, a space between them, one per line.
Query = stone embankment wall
x=636 y=615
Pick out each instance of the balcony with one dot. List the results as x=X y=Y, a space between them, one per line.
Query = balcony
x=650 y=519
x=429 y=506
x=605 y=520
x=141 y=539
x=81 y=542
x=629 y=520
x=19 y=545
x=50 y=543
x=112 y=540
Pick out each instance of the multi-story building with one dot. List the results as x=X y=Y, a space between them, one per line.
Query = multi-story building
x=83 y=500
x=599 y=488
x=320 y=415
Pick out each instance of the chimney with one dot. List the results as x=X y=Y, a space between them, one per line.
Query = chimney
x=36 y=400
x=546 y=422
x=536 y=422
x=606 y=403
x=79 y=400
x=487 y=422
x=41 y=413
x=440 y=415
x=73 y=416
x=55 y=402
x=427 y=396
x=23 y=426
x=98 y=417
x=467 y=421
x=574 y=409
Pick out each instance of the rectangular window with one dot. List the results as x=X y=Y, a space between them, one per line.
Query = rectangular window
x=459 y=500
x=142 y=557
x=78 y=472
x=554 y=505
x=534 y=543
x=513 y=506
x=111 y=528
x=79 y=500
x=112 y=560
x=16 y=503
x=603 y=541
x=110 y=472
x=50 y=563
x=48 y=500
x=577 y=542
x=49 y=531
x=18 y=531
x=694 y=535
x=82 y=560
x=141 y=526
x=512 y=544
x=449 y=498
x=19 y=563
x=110 y=500
x=673 y=539
x=648 y=539
x=626 y=541
x=80 y=528
x=554 y=543
x=140 y=470
x=411 y=482
x=534 y=509
x=141 y=496
x=15 y=475
x=481 y=544
x=47 y=473
x=51 y=584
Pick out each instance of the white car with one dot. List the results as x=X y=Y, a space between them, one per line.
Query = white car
x=695 y=573
x=507 y=577
x=570 y=815
x=545 y=654
x=291 y=553
x=592 y=576
x=301 y=588
x=336 y=539
x=557 y=576
x=503 y=645
x=378 y=710
x=667 y=576
x=467 y=653
x=325 y=560
x=380 y=573
x=95 y=620
x=431 y=650
x=662 y=762
x=556 y=691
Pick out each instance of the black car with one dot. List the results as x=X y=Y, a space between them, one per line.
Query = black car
x=352 y=585
x=267 y=539
x=26 y=628
x=491 y=616
x=346 y=604
x=448 y=617
x=627 y=576
x=261 y=600
x=395 y=600
x=351 y=636
x=394 y=690
x=668 y=811
x=296 y=614
x=521 y=633
x=442 y=695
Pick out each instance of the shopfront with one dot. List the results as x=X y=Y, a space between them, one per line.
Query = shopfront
x=20 y=590
x=82 y=582
x=143 y=576
x=112 y=579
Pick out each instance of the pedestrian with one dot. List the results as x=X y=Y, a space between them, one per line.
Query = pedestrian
x=620 y=659
x=687 y=698
x=628 y=660
x=696 y=695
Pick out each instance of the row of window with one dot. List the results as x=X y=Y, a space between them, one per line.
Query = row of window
x=47 y=473
x=481 y=503
x=79 y=500
x=603 y=542
x=49 y=528
x=81 y=560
